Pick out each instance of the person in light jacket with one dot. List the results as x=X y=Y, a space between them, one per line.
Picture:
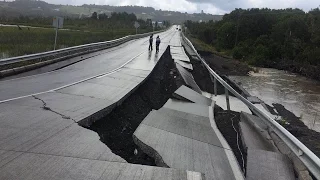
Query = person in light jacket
x=158 y=41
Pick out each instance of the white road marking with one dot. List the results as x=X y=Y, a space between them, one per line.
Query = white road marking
x=68 y=85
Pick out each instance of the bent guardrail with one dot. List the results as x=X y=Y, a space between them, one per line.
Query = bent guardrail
x=73 y=49
x=308 y=158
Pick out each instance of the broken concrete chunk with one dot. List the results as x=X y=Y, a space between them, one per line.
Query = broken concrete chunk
x=266 y=165
x=186 y=93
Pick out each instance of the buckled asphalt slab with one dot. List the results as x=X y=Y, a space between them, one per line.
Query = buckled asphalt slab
x=29 y=166
x=181 y=136
x=188 y=78
x=266 y=165
x=191 y=95
x=270 y=164
x=235 y=104
x=178 y=54
x=184 y=64
x=254 y=135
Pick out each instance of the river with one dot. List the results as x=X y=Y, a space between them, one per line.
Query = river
x=296 y=93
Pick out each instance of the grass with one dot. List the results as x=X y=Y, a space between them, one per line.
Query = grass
x=202 y=46
x=15 y=42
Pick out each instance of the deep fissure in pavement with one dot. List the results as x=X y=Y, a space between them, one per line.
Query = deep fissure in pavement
x=227 y=121
x=228 y=124
x=117 y=128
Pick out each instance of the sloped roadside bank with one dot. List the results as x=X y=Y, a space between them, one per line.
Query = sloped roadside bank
x=117 y=128
x=221 y=66
x=296 y=127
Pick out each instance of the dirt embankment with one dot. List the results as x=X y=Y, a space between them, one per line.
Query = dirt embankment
x=296 y=127
x=228 y=124
x=117 y=128
x=225 y=66
x=220 y=65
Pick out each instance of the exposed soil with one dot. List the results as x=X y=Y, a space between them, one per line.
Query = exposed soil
x=224 y=66
x=117 y=128
x=296 y=127
x=202 y=76
x=271 y=109
x=224 y=121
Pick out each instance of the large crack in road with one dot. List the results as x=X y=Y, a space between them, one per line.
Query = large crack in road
x=117 y=128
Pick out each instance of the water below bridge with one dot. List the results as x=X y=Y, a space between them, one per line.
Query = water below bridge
x=296 y=93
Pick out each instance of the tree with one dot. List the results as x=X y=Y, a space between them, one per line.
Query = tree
x=94 y=15
x=156 y=25
x=226 y=35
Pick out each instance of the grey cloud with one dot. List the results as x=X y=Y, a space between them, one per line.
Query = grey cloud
x=223 y=5
x=229 y=5
x=226 y=5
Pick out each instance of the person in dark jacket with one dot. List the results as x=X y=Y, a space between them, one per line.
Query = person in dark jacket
x=150 y=42
x=158 y=41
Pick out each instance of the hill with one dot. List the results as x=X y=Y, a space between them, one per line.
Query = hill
x=40 y=8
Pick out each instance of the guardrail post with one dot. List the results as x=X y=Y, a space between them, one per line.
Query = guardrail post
x=214 y=81
x=227 y=98
x=215 y=85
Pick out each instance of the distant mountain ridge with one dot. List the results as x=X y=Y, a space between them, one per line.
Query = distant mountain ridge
x=40 y=8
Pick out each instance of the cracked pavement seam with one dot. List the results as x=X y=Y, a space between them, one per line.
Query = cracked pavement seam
x=45 y=107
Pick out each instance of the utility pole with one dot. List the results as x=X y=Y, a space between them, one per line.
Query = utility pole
x=55 y=39
x=237 y=34
x=57 y=23
x=136 y=25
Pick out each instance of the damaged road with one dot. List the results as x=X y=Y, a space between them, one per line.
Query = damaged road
x=116 y=129
x=45 y=107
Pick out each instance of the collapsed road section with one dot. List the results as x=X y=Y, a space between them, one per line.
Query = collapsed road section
x=40 y=136
x=161 y=125
x=116 y=129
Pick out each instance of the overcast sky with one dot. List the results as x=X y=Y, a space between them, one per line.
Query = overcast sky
x=208 y=6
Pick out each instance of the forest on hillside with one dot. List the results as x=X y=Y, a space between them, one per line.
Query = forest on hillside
x=101 y=22
x=286 y=39
x=31 y=8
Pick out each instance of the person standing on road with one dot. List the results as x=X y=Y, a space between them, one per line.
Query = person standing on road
x=158 y=41
x=150 y=42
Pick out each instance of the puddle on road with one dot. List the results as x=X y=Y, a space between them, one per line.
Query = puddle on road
x=296 y=93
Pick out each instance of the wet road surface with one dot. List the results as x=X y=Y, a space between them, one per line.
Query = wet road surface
x=102 y=64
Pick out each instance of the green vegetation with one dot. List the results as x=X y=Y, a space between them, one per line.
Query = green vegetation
x=284 y=39
x=15 y=41
x=202 y=46
x=37 y=8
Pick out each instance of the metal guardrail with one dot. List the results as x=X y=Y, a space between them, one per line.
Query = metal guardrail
x=74 y=48
x=308 y=158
